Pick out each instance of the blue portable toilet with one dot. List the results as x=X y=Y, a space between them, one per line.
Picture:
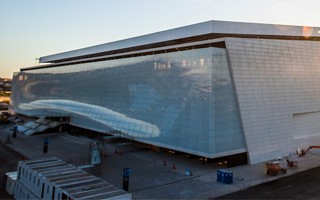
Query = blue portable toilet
x=228 y=177
x=224 y=176
x=219 y=175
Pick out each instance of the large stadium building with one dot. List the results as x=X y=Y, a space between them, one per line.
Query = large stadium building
x=211 y=89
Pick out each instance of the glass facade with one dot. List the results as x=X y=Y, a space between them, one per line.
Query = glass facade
x=182 y=100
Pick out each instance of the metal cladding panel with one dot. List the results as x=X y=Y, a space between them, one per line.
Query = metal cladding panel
x=243 y=28
x=221 y=27
x=186 y=31
x=277 y=85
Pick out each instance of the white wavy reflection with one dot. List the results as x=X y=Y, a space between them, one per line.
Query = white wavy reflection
x=132 y=127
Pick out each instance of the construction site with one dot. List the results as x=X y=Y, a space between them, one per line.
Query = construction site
x=155 y=173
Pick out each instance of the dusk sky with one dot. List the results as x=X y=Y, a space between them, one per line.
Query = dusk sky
x=30 y=29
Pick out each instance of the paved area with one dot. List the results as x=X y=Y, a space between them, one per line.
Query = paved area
x=150 y=179
x=303 y=185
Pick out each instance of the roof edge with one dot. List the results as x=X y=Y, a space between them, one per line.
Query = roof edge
x=208 y=27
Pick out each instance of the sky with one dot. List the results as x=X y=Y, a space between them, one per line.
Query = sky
x=30 y=29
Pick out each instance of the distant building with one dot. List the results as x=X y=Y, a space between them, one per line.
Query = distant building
x=5 y=84
x=5 y=91
x=51 y=178
x=211 y=89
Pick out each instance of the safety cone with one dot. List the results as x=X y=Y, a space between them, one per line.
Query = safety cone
x=174 y=166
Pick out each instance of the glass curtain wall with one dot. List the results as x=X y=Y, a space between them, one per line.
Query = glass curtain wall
x=182 y=100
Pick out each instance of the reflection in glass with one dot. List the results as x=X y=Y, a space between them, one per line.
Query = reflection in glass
x=182 y=100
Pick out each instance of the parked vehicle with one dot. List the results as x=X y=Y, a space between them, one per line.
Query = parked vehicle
x=4 y=106
x=4 y=117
